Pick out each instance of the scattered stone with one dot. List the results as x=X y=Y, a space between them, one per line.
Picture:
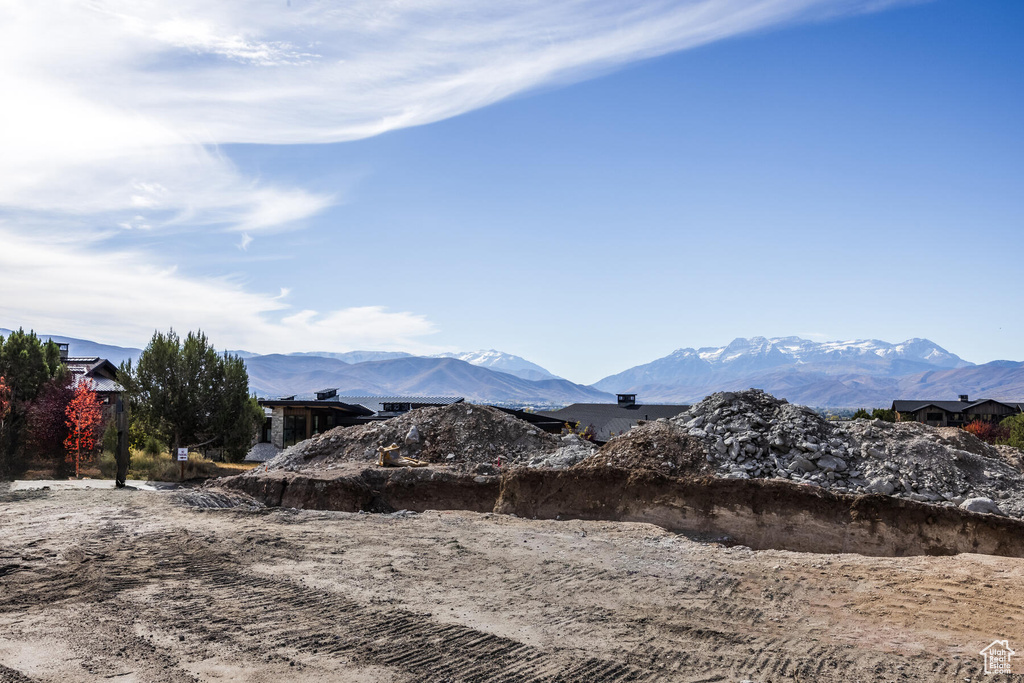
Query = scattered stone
x=753 y=434
x=986 y=505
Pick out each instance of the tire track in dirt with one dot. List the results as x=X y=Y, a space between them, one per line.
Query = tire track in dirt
x=180 y=587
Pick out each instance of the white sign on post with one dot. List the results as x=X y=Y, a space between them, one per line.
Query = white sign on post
x=182 y=454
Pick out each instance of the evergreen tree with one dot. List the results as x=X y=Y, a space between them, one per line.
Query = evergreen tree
x=26 y=364
x=186 y=395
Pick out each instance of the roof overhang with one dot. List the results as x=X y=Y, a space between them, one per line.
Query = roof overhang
x=347 y=408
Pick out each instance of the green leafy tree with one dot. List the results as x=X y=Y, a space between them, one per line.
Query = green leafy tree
x=26 y=364
x=861 y=413
x=885 y=414
x=187 y=395
x=1014 y=426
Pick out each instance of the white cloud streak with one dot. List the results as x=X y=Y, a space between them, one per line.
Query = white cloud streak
x=114 y=110
x=123 y=299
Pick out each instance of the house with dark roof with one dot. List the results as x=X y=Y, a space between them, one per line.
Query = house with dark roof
x=611 y=419
x=99 y=371
x=955 y=413
x=292 y=419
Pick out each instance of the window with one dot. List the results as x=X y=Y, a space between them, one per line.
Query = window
x=322 y=421
x=294 y=429
x=933 y=417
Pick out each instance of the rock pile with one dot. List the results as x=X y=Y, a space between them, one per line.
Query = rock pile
x=467 y=437
x=739 y=435
x=572 y=450
x=752 y=434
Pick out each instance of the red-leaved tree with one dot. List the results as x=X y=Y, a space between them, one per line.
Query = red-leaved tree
x=989 y=432
x=46 y=418
x=5 y=403
x=84 y=416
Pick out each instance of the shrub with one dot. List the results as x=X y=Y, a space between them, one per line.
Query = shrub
x=1014 y=427
x=989 y=432
x=587 y=433
x=110 y=437
x=153 y=447
x=107 y=464
x=145 y=466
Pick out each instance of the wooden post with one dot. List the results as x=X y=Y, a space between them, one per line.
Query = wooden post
x=182 y=459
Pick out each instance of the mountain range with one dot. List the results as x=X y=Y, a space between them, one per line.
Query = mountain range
x=278 y=375
x=837 y=374
x=482 y=376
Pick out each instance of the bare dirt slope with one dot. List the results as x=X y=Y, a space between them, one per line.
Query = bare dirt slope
x=147 y=587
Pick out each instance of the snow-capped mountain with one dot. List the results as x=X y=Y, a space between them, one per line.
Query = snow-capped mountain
x=762 y=353
x=502 y=362
x=686 y=373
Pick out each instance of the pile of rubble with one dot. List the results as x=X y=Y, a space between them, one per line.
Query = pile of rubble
x=659 y=446
x=752 y=434
x=466 y=437
x=741 y=435
x=572 y=450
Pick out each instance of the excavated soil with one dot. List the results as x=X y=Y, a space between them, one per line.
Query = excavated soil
x=107 y=585
x=759 y=513
x=656 y=446
x=463 y=436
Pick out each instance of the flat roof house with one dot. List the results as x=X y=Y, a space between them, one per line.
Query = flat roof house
x=955 y=413
x=296 y=418
x=611 y=419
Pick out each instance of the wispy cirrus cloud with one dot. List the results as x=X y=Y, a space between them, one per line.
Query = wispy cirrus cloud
x=115 y=110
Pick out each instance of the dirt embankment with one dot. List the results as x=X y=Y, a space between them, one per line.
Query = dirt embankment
x=757 y=513
x=355 y=487
x=744 y=465
x=760 y=513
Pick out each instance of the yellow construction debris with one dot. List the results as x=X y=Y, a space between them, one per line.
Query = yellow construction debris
x=389 y=457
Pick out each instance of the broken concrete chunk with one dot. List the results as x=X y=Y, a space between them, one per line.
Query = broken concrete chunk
x=984 y=505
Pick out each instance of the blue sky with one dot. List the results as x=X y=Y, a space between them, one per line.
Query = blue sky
x=589 y=187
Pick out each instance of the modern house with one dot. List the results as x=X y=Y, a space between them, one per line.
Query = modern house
x=955 y=413
x=612 y=419
x=296 y=418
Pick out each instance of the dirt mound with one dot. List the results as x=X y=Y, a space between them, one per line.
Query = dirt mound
x=752 y=434
x=657 y=446
x=464 y=436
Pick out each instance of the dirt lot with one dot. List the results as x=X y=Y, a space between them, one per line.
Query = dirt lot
x=138 y=586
